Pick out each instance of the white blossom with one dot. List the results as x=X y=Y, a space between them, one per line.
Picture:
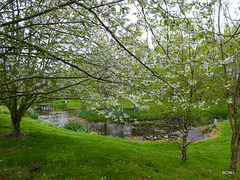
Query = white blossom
x=201 y=103
x=229 y=100
x=226 y=61
x=192 y=82
x=227 y=86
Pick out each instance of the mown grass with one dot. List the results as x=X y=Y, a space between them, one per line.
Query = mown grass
x=55 y=153
x=75 y=104
x=78 y=104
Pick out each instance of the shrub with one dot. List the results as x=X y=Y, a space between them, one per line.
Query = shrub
x=34 y=115
x=209 y=128
x=128 y=115
x=219 y=111
x=100 y=117
x=144 y=108
x=85 y=114
x=60 y=105
x=91 y=115
x=31 y=113
x=76 y=126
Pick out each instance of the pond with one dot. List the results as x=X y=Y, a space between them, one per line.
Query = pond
x=137 y=130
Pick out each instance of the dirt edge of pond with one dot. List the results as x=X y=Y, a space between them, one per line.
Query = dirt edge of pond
x=207 y=136
x=211 y=135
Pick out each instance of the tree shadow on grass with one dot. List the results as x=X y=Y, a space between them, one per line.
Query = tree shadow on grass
x=9 y=136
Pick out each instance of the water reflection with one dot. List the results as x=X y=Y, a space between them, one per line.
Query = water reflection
x=55 y=118
x=110 y=128
x=139 y=129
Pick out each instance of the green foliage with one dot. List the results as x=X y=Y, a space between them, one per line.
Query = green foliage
x=219 y=111
x=76 y=126
x=31 y=113
x=126 y=115
x=91 y=115
x=165 y=112
x=85 y=114
x=60 y=105
x=34 y=115
x=100 y=117
x=75 y=104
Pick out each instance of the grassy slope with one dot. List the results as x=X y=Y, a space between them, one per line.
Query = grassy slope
x=67 y=155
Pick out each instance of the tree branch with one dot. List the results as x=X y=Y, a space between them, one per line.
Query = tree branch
x=38 y=14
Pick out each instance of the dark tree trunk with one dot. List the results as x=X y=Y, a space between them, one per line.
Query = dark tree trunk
x=17 y=112
x=184 y=146
x=235 y=149
x=15 y=125
x=13 y=108
x=122 y=105
x=136 y=108
x=106 y=109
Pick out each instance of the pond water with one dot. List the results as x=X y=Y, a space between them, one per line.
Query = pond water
x=139 y=130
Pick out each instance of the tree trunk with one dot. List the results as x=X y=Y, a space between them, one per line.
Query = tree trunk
x=136 y=108
x=235 y=148
x=106 y=109
x=15 y=125
x=184 y=147
x=122 y=105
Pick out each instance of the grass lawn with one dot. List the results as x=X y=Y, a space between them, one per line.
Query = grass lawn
x=78 y=104
x=75 y=104
x=49 y=152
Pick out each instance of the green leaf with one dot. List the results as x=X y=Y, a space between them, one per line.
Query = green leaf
x=165 y=22
x=200 y=35
x=158 y=49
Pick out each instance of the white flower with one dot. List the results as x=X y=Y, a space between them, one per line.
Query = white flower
x=174 y=109
x=174 y=97
x=182 y=100
x=201 y=103
x=159 y=102
x=226 y=61
x=125 y=115
x=229 y=101
x=192 y=82
x=204 y=65
x=227 y=86
x=209 y=74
